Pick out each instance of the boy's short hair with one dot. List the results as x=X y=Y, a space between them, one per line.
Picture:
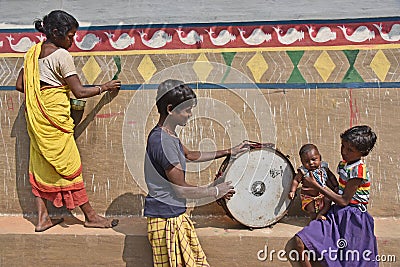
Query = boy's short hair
x=307 y=147
x=175 y=93
x=361 y=137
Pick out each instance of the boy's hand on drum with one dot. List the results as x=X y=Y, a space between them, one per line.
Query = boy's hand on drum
x=268 y=145
x=242 y=147
x=292 y=195
x=225 y=190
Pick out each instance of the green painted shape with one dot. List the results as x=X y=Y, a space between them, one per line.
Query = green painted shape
x=295 y=76
x=352 y=74
x=117 y=60
x=228 y=58
x=295 y=56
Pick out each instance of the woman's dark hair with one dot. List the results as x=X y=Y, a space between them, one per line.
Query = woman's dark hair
x=361 y=137
x=57 y=19
x=307 y=147
x=175 y=93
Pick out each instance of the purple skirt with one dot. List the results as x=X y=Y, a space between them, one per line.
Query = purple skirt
x=345 y=238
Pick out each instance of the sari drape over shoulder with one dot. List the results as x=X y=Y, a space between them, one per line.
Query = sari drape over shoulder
x=55 y=168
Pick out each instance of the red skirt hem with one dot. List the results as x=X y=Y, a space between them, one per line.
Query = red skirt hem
x=70 y=199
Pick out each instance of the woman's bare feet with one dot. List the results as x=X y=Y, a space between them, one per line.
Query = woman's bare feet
x=48 y=223
x=100 y=222
x=93 y=220
x=44 y=221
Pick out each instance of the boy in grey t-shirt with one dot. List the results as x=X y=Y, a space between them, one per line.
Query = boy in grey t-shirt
x=165 y=166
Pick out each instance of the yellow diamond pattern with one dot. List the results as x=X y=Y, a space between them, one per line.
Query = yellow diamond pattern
x=147 y=68
x=202 y=67
x=91 y=70
x=380 y=65
x=324 y=65
x=258 y=66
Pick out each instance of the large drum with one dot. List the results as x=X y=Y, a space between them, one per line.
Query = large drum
x=262 y=178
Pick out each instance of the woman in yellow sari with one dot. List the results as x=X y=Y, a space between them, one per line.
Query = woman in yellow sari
x=48 y=77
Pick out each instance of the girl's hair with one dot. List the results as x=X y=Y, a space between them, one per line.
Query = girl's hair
x=361 y=137
x=56 y=20
x=175 y=93
x=307 y=147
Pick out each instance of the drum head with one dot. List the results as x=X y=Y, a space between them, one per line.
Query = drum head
x=262 y=179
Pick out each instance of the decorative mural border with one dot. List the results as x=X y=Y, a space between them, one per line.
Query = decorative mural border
x=379 y=31
x=347 y=53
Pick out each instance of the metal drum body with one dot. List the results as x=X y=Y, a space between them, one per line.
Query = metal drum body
x=262 y=178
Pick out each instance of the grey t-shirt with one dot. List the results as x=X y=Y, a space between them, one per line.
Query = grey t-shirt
x=163 y=152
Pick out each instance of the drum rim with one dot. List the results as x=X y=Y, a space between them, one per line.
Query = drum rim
x=229 y=163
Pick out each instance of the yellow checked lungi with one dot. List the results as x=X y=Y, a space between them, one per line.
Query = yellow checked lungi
x=55 y=168
x=174 y=242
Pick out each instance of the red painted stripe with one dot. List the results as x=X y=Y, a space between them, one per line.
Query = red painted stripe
x=345 y=33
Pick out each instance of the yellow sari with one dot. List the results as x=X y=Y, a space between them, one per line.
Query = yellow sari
x=55 y=168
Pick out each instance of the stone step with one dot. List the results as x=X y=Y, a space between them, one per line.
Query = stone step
x=225 y=242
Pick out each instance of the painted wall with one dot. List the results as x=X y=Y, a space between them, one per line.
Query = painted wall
x=277 y=79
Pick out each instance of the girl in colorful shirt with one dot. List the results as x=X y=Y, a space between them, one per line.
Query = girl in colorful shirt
x=346 y=237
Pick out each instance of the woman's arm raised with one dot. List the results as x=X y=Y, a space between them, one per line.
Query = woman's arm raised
x=80 y=91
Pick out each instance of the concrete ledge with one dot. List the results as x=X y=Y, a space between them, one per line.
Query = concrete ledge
x=225 y=242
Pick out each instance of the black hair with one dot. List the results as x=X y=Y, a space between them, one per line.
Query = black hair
x=56 y=19
x=361 y=137
x=306 y=148
x=175 y=93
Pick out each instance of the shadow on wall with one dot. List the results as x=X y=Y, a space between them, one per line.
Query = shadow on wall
x=25 y=196
x=137 y=249
x=127 y=204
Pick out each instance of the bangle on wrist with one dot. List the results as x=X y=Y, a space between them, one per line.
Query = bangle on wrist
x=100 y=90
x=216 y=192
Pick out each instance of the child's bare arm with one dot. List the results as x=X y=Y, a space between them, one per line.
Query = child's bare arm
x=332 y=182
x=295 y=183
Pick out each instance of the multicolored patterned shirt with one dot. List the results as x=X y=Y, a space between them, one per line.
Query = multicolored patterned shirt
x=320 y=174
x=355 y=170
